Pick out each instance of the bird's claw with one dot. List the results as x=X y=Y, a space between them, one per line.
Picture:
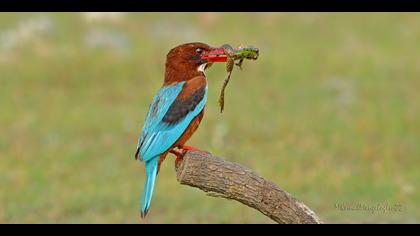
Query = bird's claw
x=178 y=162
x=179 y=157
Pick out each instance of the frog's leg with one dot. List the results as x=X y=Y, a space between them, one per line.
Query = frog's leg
x=239 y=63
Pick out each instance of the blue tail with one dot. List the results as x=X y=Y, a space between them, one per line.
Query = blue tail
x=151 y=172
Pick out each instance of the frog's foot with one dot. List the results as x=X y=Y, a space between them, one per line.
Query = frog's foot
x=239 y=63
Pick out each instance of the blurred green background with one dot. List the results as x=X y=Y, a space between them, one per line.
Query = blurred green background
x=330 y=112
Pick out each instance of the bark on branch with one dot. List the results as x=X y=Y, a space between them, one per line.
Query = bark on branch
x=220 y=178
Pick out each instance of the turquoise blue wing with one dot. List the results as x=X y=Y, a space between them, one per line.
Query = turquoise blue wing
x=167 y=119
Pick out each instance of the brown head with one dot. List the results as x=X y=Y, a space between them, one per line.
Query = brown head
x=189 y=60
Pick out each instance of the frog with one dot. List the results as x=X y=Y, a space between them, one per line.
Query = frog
x=239 y=54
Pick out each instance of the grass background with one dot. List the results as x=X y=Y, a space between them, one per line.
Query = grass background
x=330 y=112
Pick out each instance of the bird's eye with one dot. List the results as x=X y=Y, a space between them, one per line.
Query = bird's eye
x=199 y=50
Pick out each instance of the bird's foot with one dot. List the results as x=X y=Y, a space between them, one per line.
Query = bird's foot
x=186 y=148
x=179 y=156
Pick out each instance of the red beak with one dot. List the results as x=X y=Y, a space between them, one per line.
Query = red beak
x=215 y=55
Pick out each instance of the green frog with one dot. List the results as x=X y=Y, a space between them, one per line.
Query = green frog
x=239 y=54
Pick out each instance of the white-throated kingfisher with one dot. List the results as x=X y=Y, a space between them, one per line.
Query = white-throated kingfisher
x=176 y=111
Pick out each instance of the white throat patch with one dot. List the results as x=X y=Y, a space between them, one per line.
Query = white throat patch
x=202 y=67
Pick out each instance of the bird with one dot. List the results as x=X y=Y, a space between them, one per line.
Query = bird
x=176 y=110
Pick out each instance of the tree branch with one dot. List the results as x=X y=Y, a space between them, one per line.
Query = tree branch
x=230 y=180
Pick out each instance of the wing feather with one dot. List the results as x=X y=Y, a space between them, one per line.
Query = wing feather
x=167 y=119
